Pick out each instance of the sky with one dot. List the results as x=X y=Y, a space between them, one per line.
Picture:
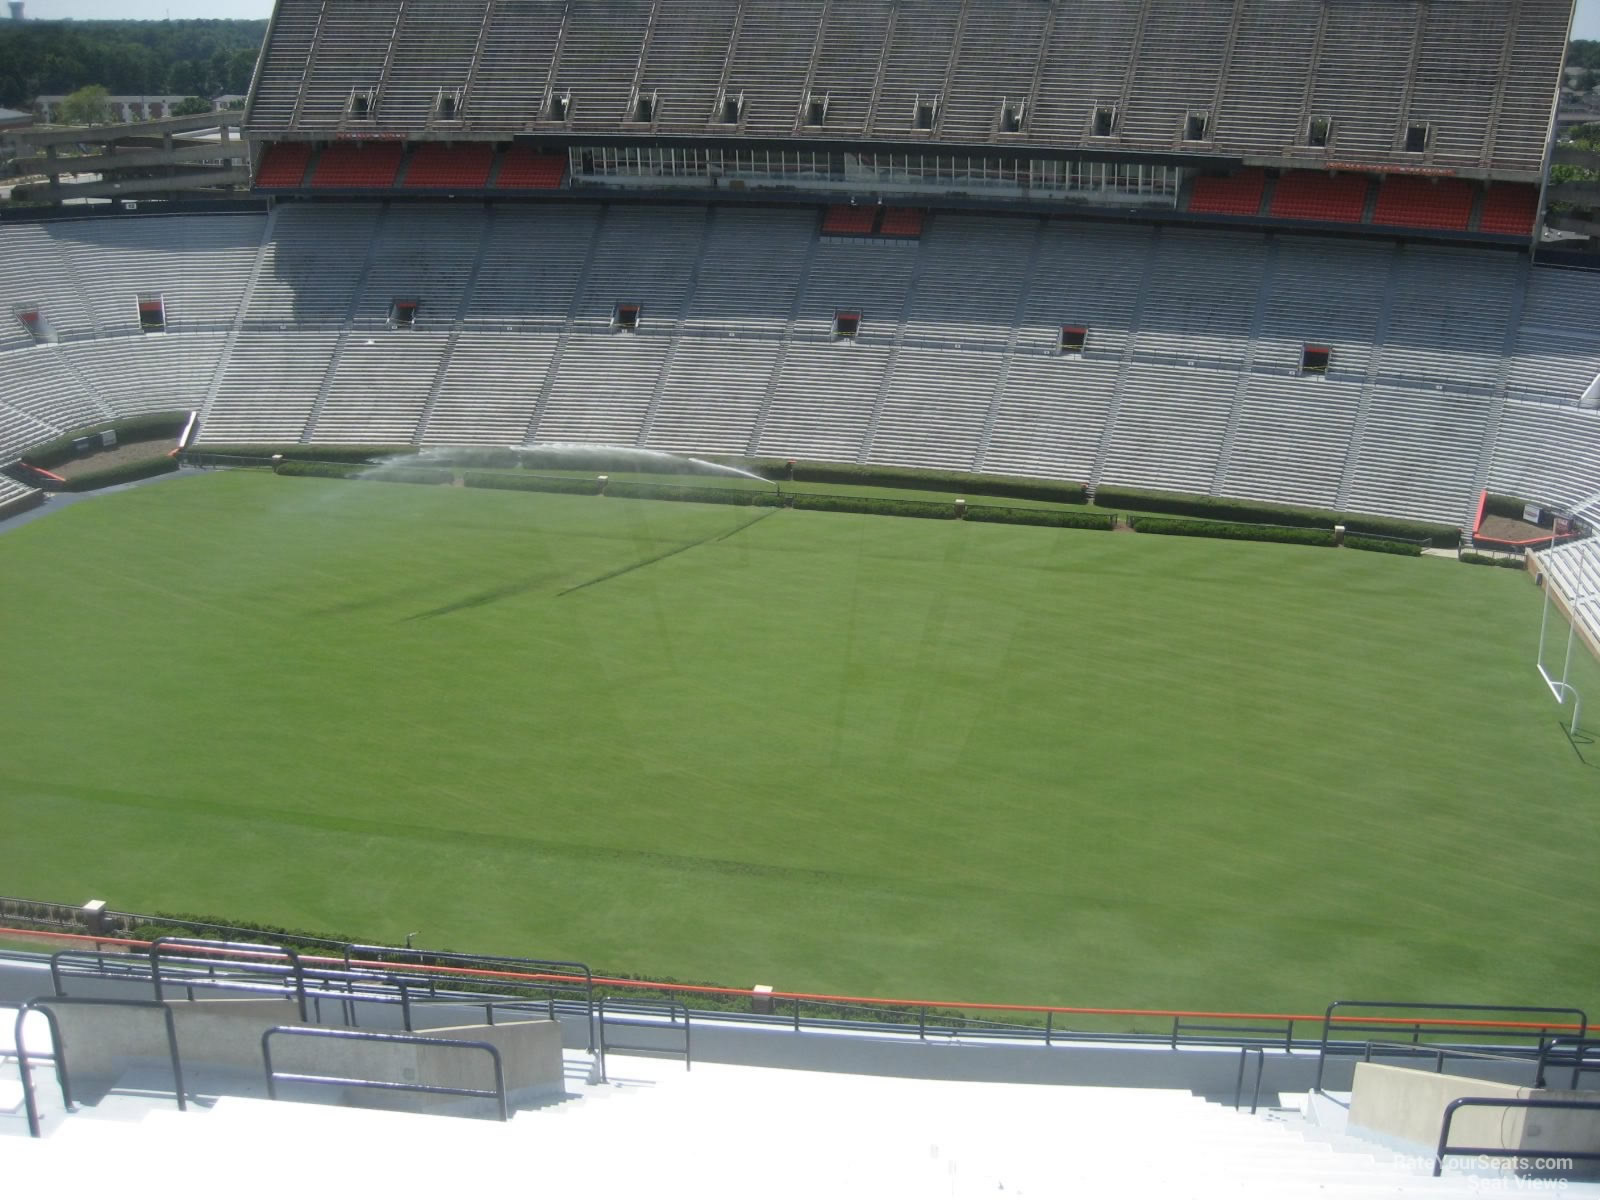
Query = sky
x=1587 y=25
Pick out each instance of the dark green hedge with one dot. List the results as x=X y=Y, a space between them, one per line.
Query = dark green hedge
x=572 y=485
x=960 y=483
x=347 y=470
x=298 y=452
x=1383 y=545
x=144 y=468
x=144 y=428
x=1219 y=508
x=877 y=505
x=628 y=489
x=1234 y=530
x=1039 y=516
x=426 y=475
x=1515 y=561
x=1504 y=506
x=322 y=470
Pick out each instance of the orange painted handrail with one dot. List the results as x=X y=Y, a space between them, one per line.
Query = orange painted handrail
x=815 y=997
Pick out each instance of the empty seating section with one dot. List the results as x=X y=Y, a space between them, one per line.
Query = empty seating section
x=603 y=389
x=358 y=165
x=847 y=61
x=1237 y=195
x=1423 y=203
x=1420 y=446
x=967 y=291
x=1267 y=68
x=1509 y=208
x=1458 y=74
x=1359 y=76
x=514 y=64
x=524 y=167
x=437 y=165
x=713 y=395
x=135 y=375
x=198 y=266
x=1265 y=86
x=432 y=54
x=379 y=388
x=309 y=270
x=1180 y=56
x=769 y=63
x=532 y=266
x=1556 y=355
x=915 y=61
x=1189 y=375
x=490 y=389
x=934 y=409
x=1573 y=571
x=283 y=64
x=848 y=220
x=423 y=255
x=1292 y=439
x=822 y=401
x=683 y=66
x=283 y=165
x=752 y=267
x=901 y=222
x=599 y=55
x=995 y=61
x=1314 y=196
x=269 y=387
x=352 y=45
x=10 y=489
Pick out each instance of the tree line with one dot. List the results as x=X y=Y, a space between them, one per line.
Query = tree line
x=130 y=58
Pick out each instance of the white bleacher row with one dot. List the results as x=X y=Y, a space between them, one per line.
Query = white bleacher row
x=1189 y=379
x=1480 y=73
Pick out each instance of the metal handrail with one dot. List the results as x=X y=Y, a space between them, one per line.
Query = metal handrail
x=43 y=1004
x=25 y=1070
x=497 y=1093
x=1437 y=1052
x=235 y=950
x=670 y=1008
x=1455 y=1106
x=1238 y=1084
x=1413 y=1005
x=1578 y=1046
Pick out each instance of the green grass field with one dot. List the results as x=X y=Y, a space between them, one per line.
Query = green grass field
x=821 y=751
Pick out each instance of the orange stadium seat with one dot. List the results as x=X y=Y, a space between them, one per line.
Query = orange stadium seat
x=901 y=222
x=849 y=220
x=523 y=167
x=1314 y=196
x=1411 y=203
x=283 y=164
x=1237 y=195
x=358 y=164
x=1509 y=208
x=436 y=165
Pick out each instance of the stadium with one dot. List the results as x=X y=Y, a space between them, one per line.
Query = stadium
x=926 y=557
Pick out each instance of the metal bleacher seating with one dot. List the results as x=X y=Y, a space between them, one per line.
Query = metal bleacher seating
x=134 y=375
x=1556 y=355
x=347 y=56
x=768 y=64
x=378 y=387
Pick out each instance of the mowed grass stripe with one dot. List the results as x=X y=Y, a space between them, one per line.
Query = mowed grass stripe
x=831 y=752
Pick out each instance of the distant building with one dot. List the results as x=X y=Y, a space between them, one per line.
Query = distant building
x=121 y=108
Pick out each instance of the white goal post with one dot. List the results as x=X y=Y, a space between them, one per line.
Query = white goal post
x=1561 y=687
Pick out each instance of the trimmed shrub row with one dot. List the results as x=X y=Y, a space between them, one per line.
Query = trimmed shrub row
x=298 y=452
x=1039 y=516
x=145 y=468
x=143 y=428
x=1383 y=545
x=877 y=505
x=1217 y=508
x=627 y=489
x=572 y=485
x=322 y=470
x=433 y=475
x=1515 y=562
x=1234 y=530
x=962 y=483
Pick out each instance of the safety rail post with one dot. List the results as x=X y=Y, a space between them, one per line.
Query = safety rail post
x=1443 y=1148
x=240 y=949
x=1238 y=1084
x=670 y=1008
x=1579 y=1047
x=497 y=1093
x=57 y=1057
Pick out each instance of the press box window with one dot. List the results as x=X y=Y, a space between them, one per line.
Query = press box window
x=152 y=315
x=1072 y=339
x=1417 y=137
x=625 y=316
x=1314 y=359
x=403 y=314
x=846 y=324
x=1196 y=126
x=1105 y=120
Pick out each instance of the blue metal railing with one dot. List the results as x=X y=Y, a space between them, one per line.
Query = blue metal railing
x=496 y=1093
x=1444 y=1148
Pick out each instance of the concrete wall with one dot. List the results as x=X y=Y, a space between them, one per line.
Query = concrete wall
x=101 y=1042
x=1408 y=1104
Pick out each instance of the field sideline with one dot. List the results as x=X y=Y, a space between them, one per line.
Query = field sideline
x=821 y=751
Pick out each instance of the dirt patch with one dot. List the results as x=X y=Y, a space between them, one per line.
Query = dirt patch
x=1509 y=529
x=116 y=456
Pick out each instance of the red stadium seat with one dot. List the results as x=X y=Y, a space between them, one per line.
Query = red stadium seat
x=523 y=167
x=358 y=165
x=283 y=164
x=1407 y=202
x=901 y=222
x=436 y=165
x=849 y=220
x=1509 y=208
x=1237 y=195
x=1315 y=196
